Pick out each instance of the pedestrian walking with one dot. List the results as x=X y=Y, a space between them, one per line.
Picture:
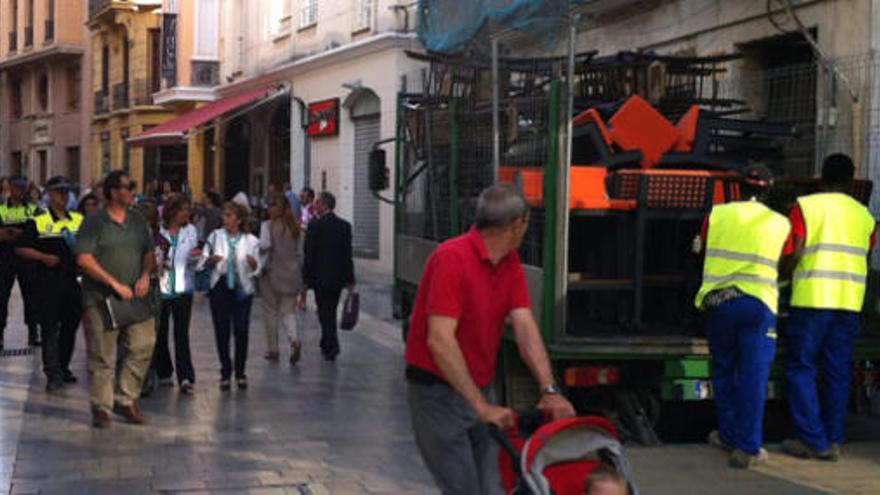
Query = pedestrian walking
x=307 y=206
x=208 y=215
x=14 y=214
x=281 y=286
x=832 y=235
x=176 y=285
x=470 y=286
x=57 y=292
x=88 y=204
x=234 y=256
x=744 y=242
x=115 y=252
x=328 y=268
x=293 y=198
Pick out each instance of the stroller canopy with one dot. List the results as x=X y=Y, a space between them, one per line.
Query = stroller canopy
x=575 y=439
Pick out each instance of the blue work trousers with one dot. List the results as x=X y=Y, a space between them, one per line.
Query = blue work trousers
x=742 y=340
x=814 y=338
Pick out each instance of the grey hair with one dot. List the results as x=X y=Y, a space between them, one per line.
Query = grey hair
x=500 y=206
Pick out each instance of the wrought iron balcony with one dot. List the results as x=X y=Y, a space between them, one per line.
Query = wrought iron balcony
x=13 y=41
x=205 y=73
x=120 y=96
x=28 y=36
x=102 y=103
x=141 y=94
x=96 y=6
x=50 y=30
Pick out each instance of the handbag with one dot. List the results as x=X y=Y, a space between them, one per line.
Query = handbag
x=126 y=313
x=350 y=311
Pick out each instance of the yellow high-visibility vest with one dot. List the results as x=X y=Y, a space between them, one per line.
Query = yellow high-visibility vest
x=11 y=215
x=743 y=248
x=47 y=227
x=832 y=271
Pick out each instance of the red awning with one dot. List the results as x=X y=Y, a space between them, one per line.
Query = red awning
x=176 y=130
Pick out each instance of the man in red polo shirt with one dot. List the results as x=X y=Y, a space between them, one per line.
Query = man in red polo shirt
x=471 y=285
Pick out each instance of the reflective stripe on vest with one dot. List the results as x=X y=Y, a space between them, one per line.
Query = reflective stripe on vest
x=48 y=228
x=743 y=247
x=832 y=270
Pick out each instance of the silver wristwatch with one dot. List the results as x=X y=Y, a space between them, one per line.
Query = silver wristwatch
x=551 y=389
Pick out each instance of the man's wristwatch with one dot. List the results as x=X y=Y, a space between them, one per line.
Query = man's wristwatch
x=551 y=389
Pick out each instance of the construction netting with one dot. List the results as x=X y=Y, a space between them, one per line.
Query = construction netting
x=449 y=26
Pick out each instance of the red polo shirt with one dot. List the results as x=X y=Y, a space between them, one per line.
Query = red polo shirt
x=460 y=282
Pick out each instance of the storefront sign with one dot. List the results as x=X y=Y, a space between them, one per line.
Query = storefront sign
x=324 y=118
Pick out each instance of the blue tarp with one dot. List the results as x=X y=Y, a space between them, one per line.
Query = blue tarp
x=448 y=26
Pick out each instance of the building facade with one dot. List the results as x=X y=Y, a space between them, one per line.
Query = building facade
x=42 y=95
x=342 y=64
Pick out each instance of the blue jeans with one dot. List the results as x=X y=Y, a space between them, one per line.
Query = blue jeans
x=819 y=337
x=742 y=340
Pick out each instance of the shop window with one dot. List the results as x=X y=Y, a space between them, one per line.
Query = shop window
x=308 y=14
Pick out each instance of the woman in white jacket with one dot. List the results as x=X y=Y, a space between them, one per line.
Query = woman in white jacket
x=176 y=284
x=234 y=256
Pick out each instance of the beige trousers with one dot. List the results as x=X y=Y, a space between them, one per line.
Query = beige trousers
x=138 y=341
x=279 y=312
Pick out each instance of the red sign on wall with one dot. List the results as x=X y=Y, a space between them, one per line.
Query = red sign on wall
x=324 y=118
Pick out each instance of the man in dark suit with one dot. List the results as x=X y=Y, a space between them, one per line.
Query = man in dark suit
x=328 y=267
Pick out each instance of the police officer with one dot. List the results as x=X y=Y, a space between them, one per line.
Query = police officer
x=744 y=242
x=15 y=213
x=832 y=234
x=57 y=293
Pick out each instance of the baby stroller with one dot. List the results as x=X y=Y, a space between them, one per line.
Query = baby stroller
x=557 y=457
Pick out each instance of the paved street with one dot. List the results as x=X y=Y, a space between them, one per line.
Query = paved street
x=317 y=428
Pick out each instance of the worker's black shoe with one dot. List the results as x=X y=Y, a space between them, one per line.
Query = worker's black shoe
x=69 y=377
x=740 y=459
x=796 y=448
x=714 y=439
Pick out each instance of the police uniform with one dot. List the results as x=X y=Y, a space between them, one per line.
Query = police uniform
x=739 y=293
x=57 y=291
x=13 y=267
x=828 y=289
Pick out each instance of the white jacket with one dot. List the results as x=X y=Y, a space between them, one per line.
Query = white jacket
x=218 y=244
x=180 y=261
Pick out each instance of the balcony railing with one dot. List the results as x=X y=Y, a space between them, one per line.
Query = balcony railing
x=96 y=6
x=50 y=30
x=13 y=41
x=205 y=73
x=102 y=103
x=120 y=96
x=28 y=36
x=141 y=94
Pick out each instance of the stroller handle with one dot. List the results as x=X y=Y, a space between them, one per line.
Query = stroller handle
x=534 y=417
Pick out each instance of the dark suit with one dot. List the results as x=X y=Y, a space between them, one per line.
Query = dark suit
x=328 y=268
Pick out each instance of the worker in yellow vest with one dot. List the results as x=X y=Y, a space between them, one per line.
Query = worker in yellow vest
x=832 y=235
x=14 y=214
x=744 y=241
x=58 y=294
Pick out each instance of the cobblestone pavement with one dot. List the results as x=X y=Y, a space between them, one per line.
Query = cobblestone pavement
x=317 y=428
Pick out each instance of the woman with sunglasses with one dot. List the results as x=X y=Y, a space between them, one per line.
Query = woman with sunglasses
x=234 y=256
x=281 y=284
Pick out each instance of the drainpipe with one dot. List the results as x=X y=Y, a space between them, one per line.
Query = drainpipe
x=300 y=149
